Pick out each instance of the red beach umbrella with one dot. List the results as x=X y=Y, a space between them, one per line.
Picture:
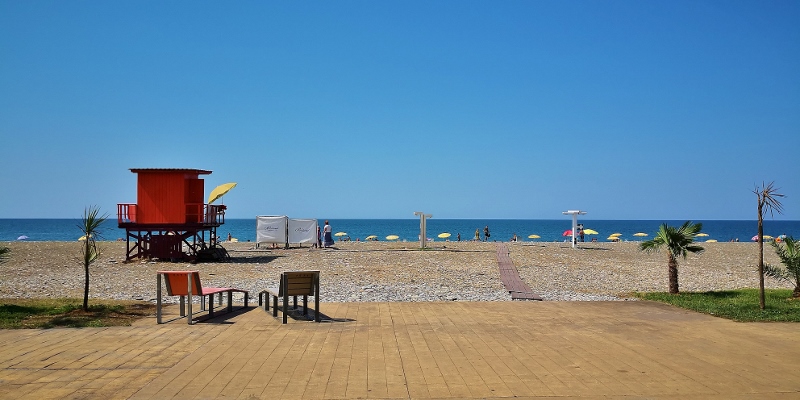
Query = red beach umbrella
x=567 y=232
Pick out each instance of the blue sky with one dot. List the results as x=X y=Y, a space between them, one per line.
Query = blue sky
x=377 y=109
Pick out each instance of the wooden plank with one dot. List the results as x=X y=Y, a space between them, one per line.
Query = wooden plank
x=509 y=276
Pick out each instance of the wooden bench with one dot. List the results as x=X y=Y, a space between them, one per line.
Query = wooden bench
x=187 y=284
x=293 y=283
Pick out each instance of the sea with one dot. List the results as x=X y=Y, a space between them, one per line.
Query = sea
x=549 y=230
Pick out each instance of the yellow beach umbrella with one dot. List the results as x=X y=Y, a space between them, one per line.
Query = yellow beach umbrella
x=590 y=232
x=711 y=241
x=340 y=234
x=639 y=234
x=443 y=235
x=701 y=234
x=615 y=235
x=612 y=238
x=370 y=237
x=392 y=237
x=534 y=237
x=220 y=191
x=83 y=238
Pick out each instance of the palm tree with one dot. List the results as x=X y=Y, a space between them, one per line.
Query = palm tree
x=90 y=226
x=677 y=242
x=4 y=253
x=789 y=254
x=767 y=201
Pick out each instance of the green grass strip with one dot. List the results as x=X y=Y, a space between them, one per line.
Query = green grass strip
x=68 y=313
x=738 y=305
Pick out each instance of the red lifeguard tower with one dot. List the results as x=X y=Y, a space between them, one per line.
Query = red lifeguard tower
x=169 y=221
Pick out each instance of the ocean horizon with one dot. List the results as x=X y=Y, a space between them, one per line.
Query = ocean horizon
x=549 y=230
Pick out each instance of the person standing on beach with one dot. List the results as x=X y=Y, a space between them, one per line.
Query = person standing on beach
x=459 y=236
x=477 y=235
x=486 y=233
x=318 y=243
x=328 y=238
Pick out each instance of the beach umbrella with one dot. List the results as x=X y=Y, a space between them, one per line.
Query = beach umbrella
x=220 y=191
x=534 y=237
x=371 y=237
x=83 y=238
x=766 y=237
x=701 y=234
x=711 y=241
x=23 y=237
x=641 y=234
x=392 y=237
x=590 y=232
x=340 y=234
x=443 y=235
x=615 y=234
x=613 y=238
x=567 y=232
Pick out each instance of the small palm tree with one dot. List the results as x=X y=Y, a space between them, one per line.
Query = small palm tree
x=767 y=201
x=90 y=226
x=4 y=253
x=789 y=254
x=677 y=242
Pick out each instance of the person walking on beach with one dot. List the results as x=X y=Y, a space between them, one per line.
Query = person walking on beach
x=328 y=238
x=486 y=233
x=477 y=235
x=458 y=236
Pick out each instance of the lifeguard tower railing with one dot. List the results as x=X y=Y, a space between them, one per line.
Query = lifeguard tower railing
x=171 y=240
x=207 y=215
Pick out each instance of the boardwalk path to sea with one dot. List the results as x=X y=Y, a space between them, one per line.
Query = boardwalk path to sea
x=403 y=350
x=509 y=275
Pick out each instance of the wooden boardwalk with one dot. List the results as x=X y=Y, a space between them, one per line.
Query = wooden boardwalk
x=510 y=276
x=588 y=350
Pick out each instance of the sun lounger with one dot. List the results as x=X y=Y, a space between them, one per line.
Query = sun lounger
x=293 y=283
x=187 y=284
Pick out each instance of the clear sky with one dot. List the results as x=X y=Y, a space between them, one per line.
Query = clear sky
x=376 y=109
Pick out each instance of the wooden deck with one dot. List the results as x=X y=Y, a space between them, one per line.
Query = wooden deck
x=510 y=276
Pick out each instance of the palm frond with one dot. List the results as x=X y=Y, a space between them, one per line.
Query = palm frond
x=788 y=253
x=677 y=241
x=778 y=273
x=658 y=240
x=688 y=228
x=695 y=249
x=768 y=198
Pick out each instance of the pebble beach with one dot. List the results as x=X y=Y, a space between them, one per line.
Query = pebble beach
x=392 y=271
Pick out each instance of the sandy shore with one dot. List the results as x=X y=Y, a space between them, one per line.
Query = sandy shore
x=384 y=271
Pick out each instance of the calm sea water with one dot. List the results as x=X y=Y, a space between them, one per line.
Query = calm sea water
x=408 y=229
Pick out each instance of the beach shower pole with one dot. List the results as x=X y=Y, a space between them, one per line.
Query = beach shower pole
x=574 y=214
x=422 y=235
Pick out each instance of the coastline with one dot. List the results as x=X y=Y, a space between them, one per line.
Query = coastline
x=392 y=271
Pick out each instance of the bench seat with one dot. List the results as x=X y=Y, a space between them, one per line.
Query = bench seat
x=187 y=284
x=292 y=283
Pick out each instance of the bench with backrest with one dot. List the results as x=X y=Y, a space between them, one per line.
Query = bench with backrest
x=187 y=284
x=293 y=283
